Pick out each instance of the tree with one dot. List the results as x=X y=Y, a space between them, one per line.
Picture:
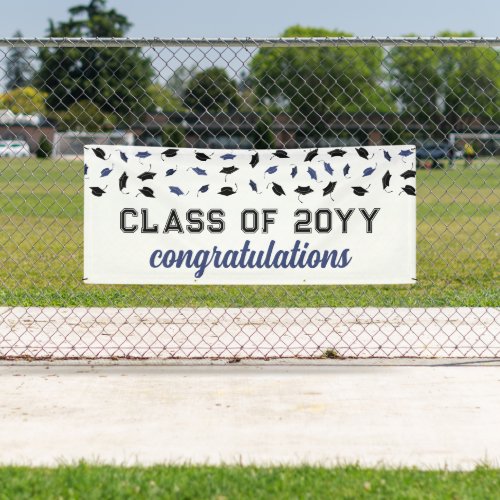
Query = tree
x=26 y=100
x=314 y=80
x=161 y=98
x=212 y=91
x=472 y=80
x=44 y=148
x=19 y=66
x=113 y=79
x=84 y=116
x=433 y=83
x=176 y=83
x=262 y=136
x=416 y=81
x=173 y=136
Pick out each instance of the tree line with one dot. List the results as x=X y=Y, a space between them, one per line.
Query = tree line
x=101 y=88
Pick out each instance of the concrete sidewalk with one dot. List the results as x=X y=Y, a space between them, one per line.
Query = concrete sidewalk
x=278 y=332
x=422 y=413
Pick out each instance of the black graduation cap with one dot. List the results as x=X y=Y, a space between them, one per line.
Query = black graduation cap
x=203 y=189
x=312 y=154
x=359 y=191
x=386 y=179
x=329 y=188
x=169 y=153
x=280 y=153
x=277 y=189
x=254 y=160
x=303 y=190
x=408 y=174
x=202 y=156
x=227 y=191
x=147 y=192
x=122 y=181
x=97 y=191
x=229 y=170
x=362 y=152
x=146 y=176
x=337 y=152
x=100 y=153
x=410 y=190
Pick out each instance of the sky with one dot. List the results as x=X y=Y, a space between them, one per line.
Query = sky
x=267 y=18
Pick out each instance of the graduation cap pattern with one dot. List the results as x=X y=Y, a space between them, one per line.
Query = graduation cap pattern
x=315 y=173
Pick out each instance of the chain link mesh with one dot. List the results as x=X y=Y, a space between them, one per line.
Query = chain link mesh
x=441 y=94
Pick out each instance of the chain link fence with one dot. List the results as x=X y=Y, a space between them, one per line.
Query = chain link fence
x=440 y=94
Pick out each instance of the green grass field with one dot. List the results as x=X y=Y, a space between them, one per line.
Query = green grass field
x=220 y=483
x=41 y=245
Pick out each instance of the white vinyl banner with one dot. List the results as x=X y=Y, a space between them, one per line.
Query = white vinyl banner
x=193 y=216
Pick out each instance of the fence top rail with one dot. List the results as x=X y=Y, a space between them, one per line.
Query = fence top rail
x=253 y=42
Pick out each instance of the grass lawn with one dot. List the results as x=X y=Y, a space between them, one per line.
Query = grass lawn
x=106 y=482
x=41 y=247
